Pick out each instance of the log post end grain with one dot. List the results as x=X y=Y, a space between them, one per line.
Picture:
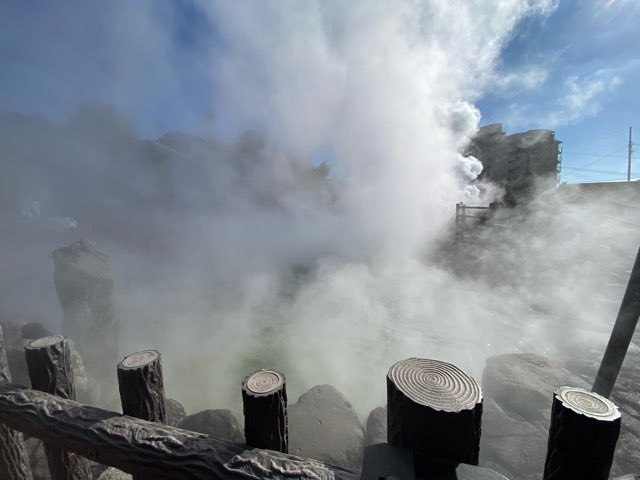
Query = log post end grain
x=434 y=409
x=141 y=386
x=583 y=434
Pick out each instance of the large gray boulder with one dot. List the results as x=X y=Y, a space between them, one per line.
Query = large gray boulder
x=323 y=425
x=513 y=447
x=522 y=384
x=376 y=427
x=175 y=412
x=220 y=423
x=518 y=391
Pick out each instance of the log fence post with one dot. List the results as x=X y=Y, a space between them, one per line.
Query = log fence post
x=264 y=398
x=142 y=386
x=435 y=410
x=582 y=437
x=50 y=371
x=14 y=460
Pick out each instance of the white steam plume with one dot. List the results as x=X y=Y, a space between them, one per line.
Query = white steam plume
x=260 y=264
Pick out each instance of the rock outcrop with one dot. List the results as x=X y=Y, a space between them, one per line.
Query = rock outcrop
x=85 y=291
x=376 y=427
x=220 y=423
x=323 y=425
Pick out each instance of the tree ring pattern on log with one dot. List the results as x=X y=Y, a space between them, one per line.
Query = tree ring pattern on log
x=439 y=385
x=265 y=381
x=139 y=359
x=46 y=341
x=587 y=403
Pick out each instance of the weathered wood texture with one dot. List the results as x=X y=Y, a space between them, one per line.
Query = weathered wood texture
x=435 y=410
x=142 y=386
x=264 y=399
x=14 y=460
x=49 y=365
x=149 y=449
x=621 y=335
x=582 y=437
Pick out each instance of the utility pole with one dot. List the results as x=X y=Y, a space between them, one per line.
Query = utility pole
x=629 y=164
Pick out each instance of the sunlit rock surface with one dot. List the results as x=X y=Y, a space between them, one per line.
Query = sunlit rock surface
x=324 y=426
x=376 y=427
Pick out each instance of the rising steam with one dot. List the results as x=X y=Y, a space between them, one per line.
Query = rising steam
x=231 y=251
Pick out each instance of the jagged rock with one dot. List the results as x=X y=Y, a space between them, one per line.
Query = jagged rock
x=114 y=474
x=175 y=412
x=522 y=384
x=220 y=423
x=85 y=292
x=376 y=429
x=323 y=425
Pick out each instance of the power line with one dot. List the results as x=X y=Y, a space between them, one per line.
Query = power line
x=593 y=155
x=608 y=172
x=606 y=155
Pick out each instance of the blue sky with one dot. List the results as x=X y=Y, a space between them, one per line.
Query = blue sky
x=575 y=71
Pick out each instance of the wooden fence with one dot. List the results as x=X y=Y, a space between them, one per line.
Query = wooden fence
x=434 y=425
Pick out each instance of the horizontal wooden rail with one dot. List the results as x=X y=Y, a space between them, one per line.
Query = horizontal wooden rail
x=148 y=449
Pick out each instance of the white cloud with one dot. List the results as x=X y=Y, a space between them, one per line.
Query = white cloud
x=530 y=77
x=579 y=97
x=582 y=97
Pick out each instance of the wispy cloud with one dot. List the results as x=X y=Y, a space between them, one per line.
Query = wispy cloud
x=582 y=97
x=578 y=97
x=527 y=78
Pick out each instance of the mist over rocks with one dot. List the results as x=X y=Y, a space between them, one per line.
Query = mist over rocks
x=626 y=396
x=324 y=426
x=522 y=384
x=85 y=291
x=518 y=390
x=233 y=243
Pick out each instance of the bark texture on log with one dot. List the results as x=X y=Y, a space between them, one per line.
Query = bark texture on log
x=142 y=387
x=145 y=448
x=264 y=398
x=582 y=437
x=14 y=460
x=49 y=365
x=434 y=409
